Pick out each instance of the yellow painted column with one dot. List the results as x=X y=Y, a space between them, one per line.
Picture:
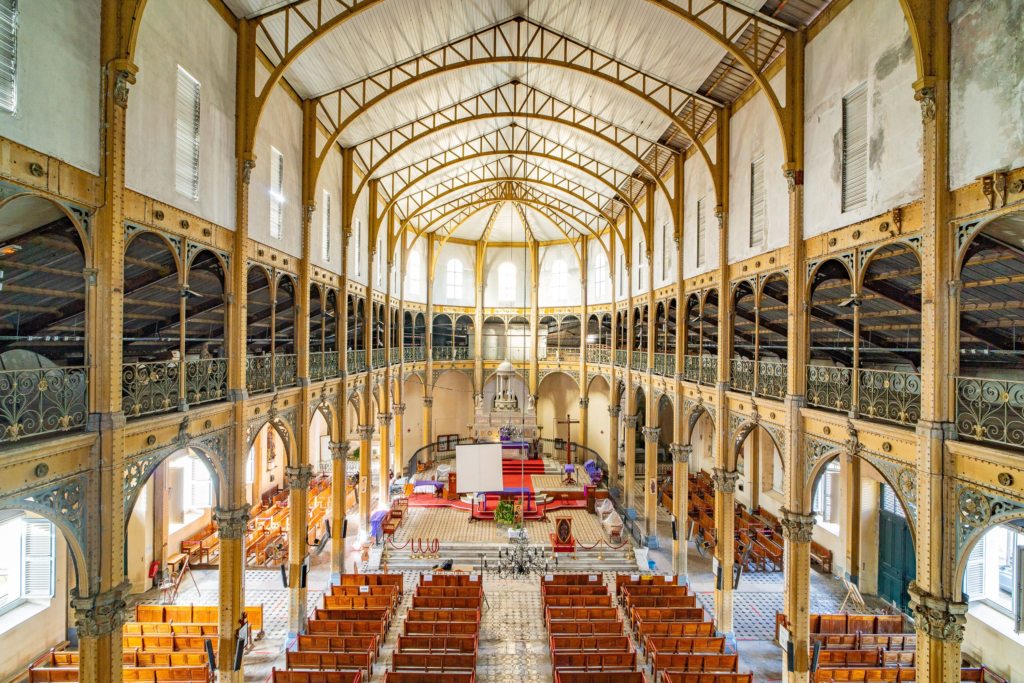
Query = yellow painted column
x=384 y=493
x=365 y=488
x=680 y=508
x=613 y=448
x=398 y=409
x=629 y=476
x=232 y=524
x=797 y=530
x=853 y=512
x=339 y=457
x=584 y=421
x=298 y=479
x=651 y=435
x=428 y=420
x=724 y=483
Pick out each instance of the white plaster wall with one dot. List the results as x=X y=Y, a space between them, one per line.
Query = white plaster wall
x=191 y=34
x=697 y=185
x=418 y=250
x=412 y=421
x=331 y=180
x=520 y=258
x=638 y=279
x=58 y=81
x=140 y=541
x=598 y=421
x=362 y=215
x=867 y=42
x=466 y=254
x=280 y=127
x=665 y=248
x=547 y=257
x=596 y=254
x=622 y=285
x=557 y=396
x=755 y=134
x=986 y=123
x=453 y=404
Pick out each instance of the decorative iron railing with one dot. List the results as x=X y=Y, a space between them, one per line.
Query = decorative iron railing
x=990 y=410
x=286 y=369
x=316 y=365
x=889 y=395
x=772 y=379
x=412 y=354
x=259 y=376
x=598 y=354
x=396 y=356
x=452 y=353
x=150 y=387
x=206 y=380
x=356 y=360
x=639 y=360
x=709 y=370
x=379 y=358
x=621 y=357
x=830 y=387
x=665 y=364
x=331 y=367
x=691 y=368
x=563 y=355
x=741 y=375
x=42 y=401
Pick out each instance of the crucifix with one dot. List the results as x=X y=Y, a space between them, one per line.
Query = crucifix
x=568 y=422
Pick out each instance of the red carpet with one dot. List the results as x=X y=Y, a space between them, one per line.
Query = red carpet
x=515 y=481
x=527 y=466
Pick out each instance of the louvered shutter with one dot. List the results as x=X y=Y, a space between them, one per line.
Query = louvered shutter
x=701 y=231
x=757 y=202
x=327 y=225
x=855 y=149
x=9 y=55
x=276 y=194
x=974 y=577
x=186 y=169
x=202 y=486
x=38 y=550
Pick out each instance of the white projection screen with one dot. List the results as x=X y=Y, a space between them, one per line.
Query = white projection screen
x=479 y=467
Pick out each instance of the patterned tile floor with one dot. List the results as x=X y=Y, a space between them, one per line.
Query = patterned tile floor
x=450 y=524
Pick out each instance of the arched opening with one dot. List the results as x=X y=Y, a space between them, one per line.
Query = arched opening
x=702 y=441
x=464 y=339
x=518 y=336
x=547 y=338
x=558 y=398
x=283 y=321
x=665 y=348
x=330 y=338
x=494 y=338
x=412 y=422
x=621 y=338
x=420 y=333
x=742 y=365
x=203 y=329
x=258 y=331
x=442 y=336
x=599 y=397
x=316 y=333
x=152 y=344
x=830 y=372
x=567 y=339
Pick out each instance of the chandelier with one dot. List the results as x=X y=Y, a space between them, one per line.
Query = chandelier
x=519 y=559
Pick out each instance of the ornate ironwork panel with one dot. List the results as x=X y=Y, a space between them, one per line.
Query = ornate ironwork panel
x=379 y=358
x=829 y=387
x=742 y=375
x=331 y=368
x=206 y=380
x=639 y=360
x=621 y=357
x=42 y=400
x=568 y=355
x=691 y=368
x=452 y=353
x=316 y=365
x=150 y=387
x=772 y=379
x=396 y=356
x=258 y=375
x=665 y=364
x=286 y=369
x=356 y=361
x=990 y=410
x=709 y=370
x=890 y=396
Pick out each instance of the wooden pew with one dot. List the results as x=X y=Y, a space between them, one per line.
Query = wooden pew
x=867 y=641
x=440 y=644
x=417 y=677
x=449 y=580
x=643 y=602
x=553 y=614
x=443 y=615
x=655 y=591
x=601 y=661
x=672 y=614
x=441 y=628
x=577 y=600
x=362 y=646
x=383 y=615
x=836 y=659
x=683 y=677
x=316 y=627
x=196 y=614
x=822 y=556
x=169 y=643
x=684 y=646
x=585 y=628
x=331 y=661
x=571 y=580
x=600 y=677
x=184 y=674
x=553 y=589
x=373 y=580
x=369 y=591
x=277 y=676
x=696 y=663
x=358 y=602
x=434 y=662
x=590 y=644
x=422 y=602
x=843 y=641
x=623 y=580
x=193 y=630
x=476 y=591
x=667 y=629
x=865 y=675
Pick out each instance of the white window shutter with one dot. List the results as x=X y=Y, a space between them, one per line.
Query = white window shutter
x=974 y=577
x=757 y=203
x=9 y=56
x=327 y=225
x=701 y=231
x=202 y=486
x=186 y=165
x=38 y=559
x=276 y=194
x=855 y=149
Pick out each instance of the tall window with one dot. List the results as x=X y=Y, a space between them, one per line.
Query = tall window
x=357 y=253
x=664 y=251
x=327 y=226
x=9 y=56
x=601 y=276
x=825 y=503
x=412 y=273
x=250 y=465
x=757 y=203
x=560 y=279
x=379 y=266
x=622 y=272
x=186 y=164
x=455 y=279
x=27 y=563
x=507 y=282
x=702 y=238
x=855 y=149
x=641 y=265
x=276 y=194
x=994 y=572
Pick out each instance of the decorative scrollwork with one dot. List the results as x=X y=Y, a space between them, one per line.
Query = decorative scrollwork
x=990 y=410
x=974 y=507
x=150 y=387
x=829 y=387
x=816 y=450
x=935 y=617
x=258 y=374
x=709 y=370
x=890 y=396
x=451 y=353
x=206 y=380
x=907 y=483
x=651 y=434
x=103 y=613
x=232 y=524
x=742 y=375
x=42 y=400
x=286 y=370
x=772 y=378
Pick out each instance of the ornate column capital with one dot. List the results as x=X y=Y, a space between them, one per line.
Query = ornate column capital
x=339 y=450
x=936 y=617
x=232 y=523
x=680 y=452
x=614 y=411
x=384 y=419
x=298 y=477
x=797 y=528
x=98 y=615
x=630 y=421
x=724 y=480
x=584 y=403
x=924 y=92
x=365 y=432
x=428 y=401
x=398 y=408
x=651 y=434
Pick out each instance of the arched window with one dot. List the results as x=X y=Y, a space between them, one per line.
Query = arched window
x=507 y=282
x=455 y=279
x=601 y=276
x=560 y=279
x=412 y=273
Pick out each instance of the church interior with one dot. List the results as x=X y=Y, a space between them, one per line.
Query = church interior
x=591 y=341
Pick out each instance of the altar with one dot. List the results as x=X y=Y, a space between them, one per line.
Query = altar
x=510 y=404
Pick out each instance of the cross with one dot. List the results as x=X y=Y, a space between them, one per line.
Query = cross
x=568 y=422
